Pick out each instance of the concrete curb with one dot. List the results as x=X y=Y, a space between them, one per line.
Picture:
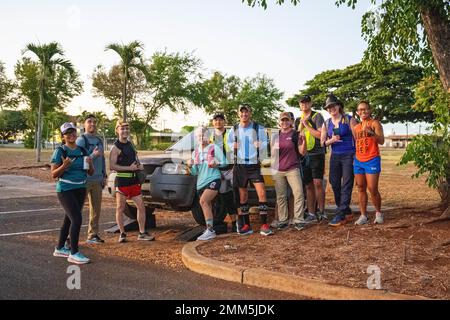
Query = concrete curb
x=279 y=281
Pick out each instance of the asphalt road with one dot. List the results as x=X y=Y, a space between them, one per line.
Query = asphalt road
x=29 y=271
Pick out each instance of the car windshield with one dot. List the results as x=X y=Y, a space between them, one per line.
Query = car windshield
x=184 y=144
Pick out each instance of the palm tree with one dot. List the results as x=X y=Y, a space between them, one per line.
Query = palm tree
x=131 y=56
x=50 y=56
x=53 y=119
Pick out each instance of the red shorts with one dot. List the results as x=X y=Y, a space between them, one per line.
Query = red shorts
x=130 y=191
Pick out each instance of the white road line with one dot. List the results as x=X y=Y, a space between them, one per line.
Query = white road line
x=32 y=210
x=46 y=230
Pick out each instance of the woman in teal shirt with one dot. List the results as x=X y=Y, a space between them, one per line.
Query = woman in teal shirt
x=68 y=166
x=206 y=159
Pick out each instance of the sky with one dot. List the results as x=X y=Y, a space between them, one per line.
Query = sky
x=290 y=44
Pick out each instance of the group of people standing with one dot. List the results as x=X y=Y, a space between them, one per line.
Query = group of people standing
x=233 y=158
x=225 y=162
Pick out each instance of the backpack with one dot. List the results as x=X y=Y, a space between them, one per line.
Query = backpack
x=209 y=158
x=86 y=141
x=235 y=130
x=64 y=151
x=310 y=139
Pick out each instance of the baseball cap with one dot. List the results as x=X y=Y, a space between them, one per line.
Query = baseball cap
x=304 y=98
x=285 y=115
x=90 y=115
x=219 y=115
x=67 y=126
x=245 y=106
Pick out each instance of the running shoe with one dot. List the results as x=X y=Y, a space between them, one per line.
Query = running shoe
x=379 y=218
x=300 y=226
x=282 y=225
x=245 y=230
x=122 y=237
x=63 y=252
x=78 y=258
x=95 y=239
x=207 y=235
x=337 y=221
x=311 y=218
x=145 y=237
x=322 y=216
x=274 y=223
x=265 y=230
x=361 y=220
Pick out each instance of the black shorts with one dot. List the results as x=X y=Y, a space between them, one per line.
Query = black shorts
x=313 y=167
x=213 y=185
x=243 y=173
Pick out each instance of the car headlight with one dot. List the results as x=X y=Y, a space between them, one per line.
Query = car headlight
x=175 y=168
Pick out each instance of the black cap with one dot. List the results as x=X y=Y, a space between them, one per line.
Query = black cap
x=331 y=101
x=304 y=98
x=245 y=106
x=90 y=115
x=218 y=115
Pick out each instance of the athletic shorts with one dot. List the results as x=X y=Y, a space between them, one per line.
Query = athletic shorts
x=243 y=173
x=130 y=191
x=213 y=185
x=313 y=167
x=368 y=167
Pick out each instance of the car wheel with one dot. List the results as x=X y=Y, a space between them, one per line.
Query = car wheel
x=197 y=211
x=219 y=212
x=131 y=212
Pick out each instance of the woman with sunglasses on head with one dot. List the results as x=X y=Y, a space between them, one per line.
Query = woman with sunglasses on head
x=70 y=164
x=367 y=167
x=337 y=133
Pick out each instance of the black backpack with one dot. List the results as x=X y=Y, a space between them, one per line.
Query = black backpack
x=64 y=151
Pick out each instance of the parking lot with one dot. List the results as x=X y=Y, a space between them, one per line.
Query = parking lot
x=30 y=217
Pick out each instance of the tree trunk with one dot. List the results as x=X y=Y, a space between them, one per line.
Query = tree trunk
x=444 y=191
x=437 y=29
x=124 y=94
x=39 y=126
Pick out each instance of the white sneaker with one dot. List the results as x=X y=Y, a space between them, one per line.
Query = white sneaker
x=207 y=235
x=78 y=258
x=379 y=218
x=361 y=220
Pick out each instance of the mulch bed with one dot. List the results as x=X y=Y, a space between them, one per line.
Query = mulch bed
x=414 y=258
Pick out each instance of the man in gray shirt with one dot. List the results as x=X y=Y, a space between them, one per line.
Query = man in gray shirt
x=95 y=183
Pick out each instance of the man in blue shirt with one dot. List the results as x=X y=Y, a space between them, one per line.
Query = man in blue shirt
x=248 y=140
x=95 y=183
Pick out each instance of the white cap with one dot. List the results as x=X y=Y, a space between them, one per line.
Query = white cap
x=66 y=126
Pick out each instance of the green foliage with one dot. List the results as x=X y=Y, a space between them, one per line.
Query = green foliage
x=187 y=129
x=223 y=94
x=108 y=84
x=8 y=96
x=431 y=154
x=132 y=59
x=11 y=123
x=227 y=92
x=161 y=146
x=172 y=81
x=390 y=91
x=60 y=88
